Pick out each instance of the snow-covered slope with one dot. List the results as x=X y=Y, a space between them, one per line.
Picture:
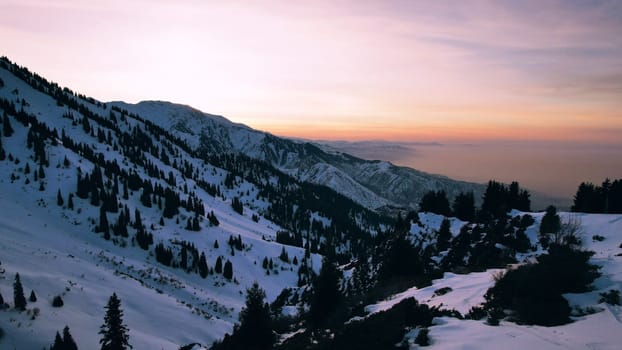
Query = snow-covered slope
x=57 y=250
x=599 y=329
x=372 y=183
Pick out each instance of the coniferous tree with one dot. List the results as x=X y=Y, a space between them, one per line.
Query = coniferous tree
x=213 y=220
x=435 y=202
x=550 y=221
x=33 y=297
x=203 y=265
x=227 y=271
x=103 y=222
x=2 y=151
x=58 y=343
x=18 y=294
x=284 y=256
x=255 y=329
x=550 y=224
x=41 y=171
x=237 y=205
x=1 y=301
x=195 y=224
x=326 y=294
x=495 y=204
x=114 y=333
x=401 y=258
x=444 y=236
x=183 y=260
x=189 y=224
x=218 y=267
x=65 y=343
x=138 y=222
x=606 y=198
x=58 y=301
x=59 y=199
x=464 y=206
x=255 y=321
x=6 y=126
x=68 y=341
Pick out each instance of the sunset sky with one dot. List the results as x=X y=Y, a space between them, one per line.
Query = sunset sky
x=351 y=70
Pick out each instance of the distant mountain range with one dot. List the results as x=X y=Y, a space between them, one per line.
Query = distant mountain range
x=372 y=183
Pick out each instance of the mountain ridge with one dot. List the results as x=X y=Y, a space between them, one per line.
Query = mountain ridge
x=373 y=183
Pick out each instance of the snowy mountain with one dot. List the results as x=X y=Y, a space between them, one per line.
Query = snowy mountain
x=374 y=184
x=178 y=213
x=68 y=162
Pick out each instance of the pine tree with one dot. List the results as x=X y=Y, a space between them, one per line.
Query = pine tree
x=114 y=333
x=284 y=256
x=41 y=171
x=444 y=236
x=2 y=151
x=59 y=199
x=550 y=225
x=103 y=222
x=203 y=265
x=6 y=126
x=33 y=297
x=218 y=267
x=435 y=202
x=18 y=294
x=326 y=294
x=464 y=206
x=255 y=322
x=138 y=222
x=227 y=271
x=255 y=329
x=237 y=205
x=58 y=343
x=68 y=341
x=58 y=301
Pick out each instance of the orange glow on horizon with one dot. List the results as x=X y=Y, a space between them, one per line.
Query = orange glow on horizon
x=403 y=70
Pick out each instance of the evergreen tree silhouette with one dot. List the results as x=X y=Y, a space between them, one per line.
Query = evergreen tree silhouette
x=203 y=265
x=59 y=199
x=255 y=322
x=6 y=126
x=218 y=266
x=114 y=333
x=227 y=271
x=444 y=236
x=68 y=341
x=18 y=294
x=58 y=343
x=326 y=294
x=255 y=329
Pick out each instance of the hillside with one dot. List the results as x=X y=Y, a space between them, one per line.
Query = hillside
x=62 y=145
x=372 y=183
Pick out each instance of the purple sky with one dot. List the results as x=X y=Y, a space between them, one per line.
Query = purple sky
x=393 y=70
